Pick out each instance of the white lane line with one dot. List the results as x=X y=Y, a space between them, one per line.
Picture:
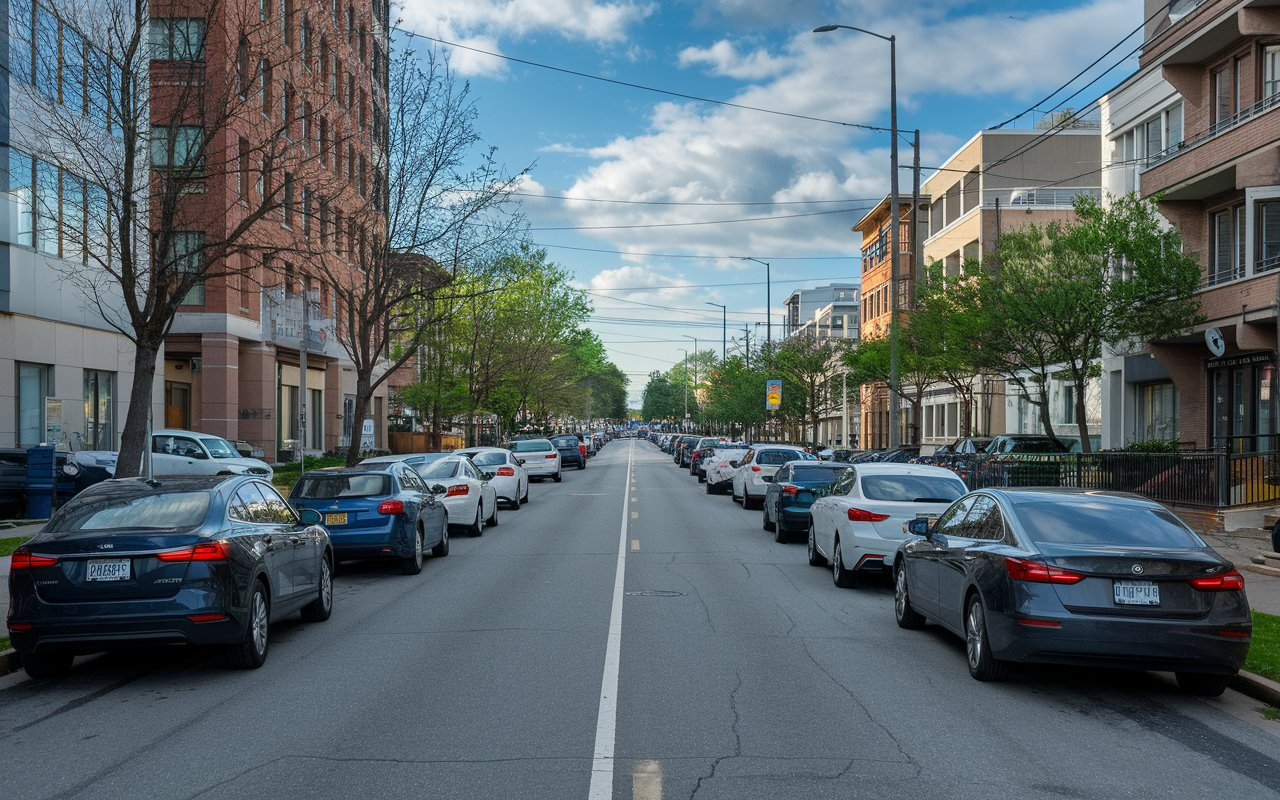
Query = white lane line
x=607 y=717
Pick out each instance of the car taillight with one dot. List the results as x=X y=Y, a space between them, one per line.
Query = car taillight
x=25 y=559
x=204 y=551
x=506 y=472
x=391 y=507
x=458 y=490
x=553 y=455
x=1226 y=582
x=790 y=490
x=754 y=468
x=862 y=515
x=1020 y=569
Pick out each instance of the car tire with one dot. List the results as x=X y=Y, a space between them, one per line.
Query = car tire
x=983 y=665
x=767 y=525
x=780 y=534
x=46 y=666
x=525 y=500
x=709 y=489
x=702 y=476
x=251 y=651
x=442 y=549
x=412 y=564
x=844 y=578
x=513 y=505
x=321 y=608
x=1202 y=684
x=476 y=528
x=557 y=477
x=492 y=521
x=815 y=558
x=906 y=616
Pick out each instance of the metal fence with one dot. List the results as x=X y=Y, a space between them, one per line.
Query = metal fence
x=1211 y=479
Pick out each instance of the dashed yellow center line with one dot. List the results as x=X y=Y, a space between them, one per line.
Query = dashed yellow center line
x=635 y=545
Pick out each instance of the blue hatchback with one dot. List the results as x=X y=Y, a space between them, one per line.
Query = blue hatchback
x=792 y=490
x=376 y=511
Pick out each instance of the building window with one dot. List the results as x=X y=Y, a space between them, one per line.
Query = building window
x=304 y=34
x=46 y=53
x=46 y=209
x=186 y=254
x=1268 y=224
x=1227 y=229
x=1223 y=99
x=267 y=89
x=306 y=213
x=177 y=404
x=286 y=204
x=177 y=39
x=72 y=69
x=73 y=218
x=1173 y=126
x=242 y=67
x=99 y=412
x=242 y=169
x=177 y=146
x=20 y=50
x=286 y=21
x=21 y=194
x=35 y=385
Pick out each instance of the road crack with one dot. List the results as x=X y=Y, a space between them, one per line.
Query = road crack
x=706 y=610
x=737 y=739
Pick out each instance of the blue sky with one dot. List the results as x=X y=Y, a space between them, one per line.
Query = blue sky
x=962 y=66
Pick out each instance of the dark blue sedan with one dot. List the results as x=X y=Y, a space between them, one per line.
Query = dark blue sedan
x=382 y=510
x=792 y=490
x=210 y=561
x=1079 y=577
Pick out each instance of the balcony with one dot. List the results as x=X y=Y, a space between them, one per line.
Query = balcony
x=1217 y=129
x=283 y=324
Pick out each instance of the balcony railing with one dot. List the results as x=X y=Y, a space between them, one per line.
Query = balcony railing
x=283 y=320
x=1215 y=130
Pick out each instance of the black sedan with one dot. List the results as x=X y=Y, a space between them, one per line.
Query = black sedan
x=572 y=451
x=1075 y=577
x=209 y=561
x=792 y=491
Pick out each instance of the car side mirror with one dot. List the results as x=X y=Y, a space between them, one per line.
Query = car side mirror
x=309 y=516
x=520 y=461
x=767 y=478
x=918 y=526
x=485 y=476
x=439 y=489
x=735 y=464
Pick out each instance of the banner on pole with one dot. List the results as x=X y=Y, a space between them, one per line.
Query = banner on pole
x=773 y=395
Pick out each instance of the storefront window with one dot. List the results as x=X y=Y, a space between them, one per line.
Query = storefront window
x=1244 y=403
x=33 y=387
x=1157 y=412
x=99 y=417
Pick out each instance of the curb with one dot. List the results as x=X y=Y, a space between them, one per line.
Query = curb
x=1257 y=687
x=1259 y=569
x=9 y=662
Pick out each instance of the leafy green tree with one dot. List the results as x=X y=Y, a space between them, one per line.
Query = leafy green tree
x=735 y=394
x=663 y=399
x=808 y=366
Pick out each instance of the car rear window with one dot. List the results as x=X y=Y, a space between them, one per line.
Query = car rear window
x=531 y=447
x=912 y=488
x=566 y=441
x=488 y=459
x=1082 y=521
x=440 y=469
x=168 y=511
x=330 y=487
x=814 y=473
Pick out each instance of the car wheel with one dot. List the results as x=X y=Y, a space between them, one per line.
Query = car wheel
x=815 y=558
x=412 y=565
x=977 y=645
x=1202 y=684
x=492 y=521
x=442 y=549
x=839 y=575
x=476 y=528
x=710 y=488
x=780 y=534
x=767 y=524
x=525 y=499
x=702 y=476
x=747 y=501
x=556 y=477
x=43 y=666
x=733 y=493
x=907 y=616
x=251 y=651
x=513 y=505
x=321 y=608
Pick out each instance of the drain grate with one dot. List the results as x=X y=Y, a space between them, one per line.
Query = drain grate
x=654 y=593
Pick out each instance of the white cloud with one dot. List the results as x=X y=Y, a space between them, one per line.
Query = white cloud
x=724 y=59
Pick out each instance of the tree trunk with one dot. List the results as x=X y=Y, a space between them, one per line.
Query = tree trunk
x=1046 y=418
x=364 y=393
x=1079 y=379
x=133 y=440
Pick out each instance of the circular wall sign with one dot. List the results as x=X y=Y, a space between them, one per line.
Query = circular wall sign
x=1213 y=338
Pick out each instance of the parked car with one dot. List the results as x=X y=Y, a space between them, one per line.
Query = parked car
x=468 y=496
x=183 y=453
x=506 y=473
x=415 y=460
x=1026 y=443
x=572 y=451
x=376 y=510
x=762 y=462
x=704 y=445
x=541 y=458
x=1069 y=576
x=792 y=491
x=208 y=561
x=683 y=449
x=719 y=467
x=857 y=527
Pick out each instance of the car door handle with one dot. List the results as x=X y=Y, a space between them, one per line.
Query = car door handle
x=297 y=541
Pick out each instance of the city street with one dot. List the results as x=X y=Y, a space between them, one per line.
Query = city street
x=741 y=672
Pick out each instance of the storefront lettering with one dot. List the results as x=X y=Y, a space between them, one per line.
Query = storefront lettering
x=1241 y=360
x=255 y=413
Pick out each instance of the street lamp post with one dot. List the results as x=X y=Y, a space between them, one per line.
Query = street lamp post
x=684 y=423
x=724 y=329
x=895 y=432
x=768 y=298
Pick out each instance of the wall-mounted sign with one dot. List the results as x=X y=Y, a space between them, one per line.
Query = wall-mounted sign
x=1244 y=360
x=1213 y=339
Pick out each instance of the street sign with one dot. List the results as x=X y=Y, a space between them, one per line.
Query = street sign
x=366 y=435
x=773 y=395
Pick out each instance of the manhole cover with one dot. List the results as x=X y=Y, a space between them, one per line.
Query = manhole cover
x=655 y=593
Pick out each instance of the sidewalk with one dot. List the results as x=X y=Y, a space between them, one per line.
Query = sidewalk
x=1243 y=547
x=5 y=533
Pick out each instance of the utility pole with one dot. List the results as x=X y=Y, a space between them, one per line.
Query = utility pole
x=302 y=379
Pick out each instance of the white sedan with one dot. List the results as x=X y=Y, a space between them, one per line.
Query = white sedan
x=760 y=462
x=719 y=470
x=860 y=523
x=541 y=458
x=505 y=470
x=468 y=496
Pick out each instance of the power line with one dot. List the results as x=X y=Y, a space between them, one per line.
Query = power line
x=691 y=224
x=642 y=87
x=687 y=255
x=706 y=203
x=707 y=285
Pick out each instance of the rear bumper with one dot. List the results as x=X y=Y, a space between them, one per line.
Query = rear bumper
x=1175 y=645
x=77 y=628
x=391 y=542
x=795 y=518
x=541 y=468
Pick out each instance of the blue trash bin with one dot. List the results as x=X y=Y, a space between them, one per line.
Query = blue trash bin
x=40 y=481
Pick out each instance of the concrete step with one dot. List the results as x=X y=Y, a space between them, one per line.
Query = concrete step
x=1269 y=520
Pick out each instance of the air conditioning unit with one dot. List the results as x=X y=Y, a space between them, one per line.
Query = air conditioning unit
x=195 y=364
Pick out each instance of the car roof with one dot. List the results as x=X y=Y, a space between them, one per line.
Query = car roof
x=183 y=432
x=889 y=468
x=1038 y=494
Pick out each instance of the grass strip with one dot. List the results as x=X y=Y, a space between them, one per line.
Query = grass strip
x=1264 y=650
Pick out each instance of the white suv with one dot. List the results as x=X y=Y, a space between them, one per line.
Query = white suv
x=760 y=462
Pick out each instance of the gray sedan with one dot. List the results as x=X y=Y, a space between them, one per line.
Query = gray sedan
x=1075 y=577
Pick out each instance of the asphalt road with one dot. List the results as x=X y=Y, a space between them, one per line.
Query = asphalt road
x=741 y=672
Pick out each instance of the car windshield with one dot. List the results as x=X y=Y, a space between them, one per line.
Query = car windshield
x=912 y=488
x=814 y=473
x=532 y=446
x=168 y=511
x=488 y=459
x=316 y=486
x=1037 y=444
x=440 y=469
x=566 y=441
x=219 y=447
x=1077 y=520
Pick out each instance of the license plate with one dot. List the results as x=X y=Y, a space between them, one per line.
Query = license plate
x=108 y=569
x=335 y=519
x=1137 y=593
